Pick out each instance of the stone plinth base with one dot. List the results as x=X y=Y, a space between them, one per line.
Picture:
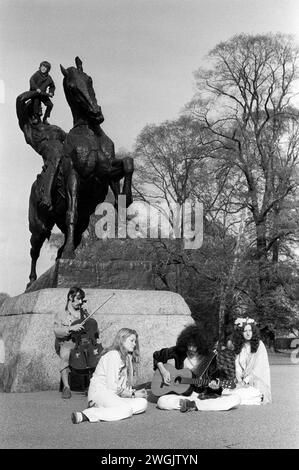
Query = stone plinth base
x=26 y=331
x=120 y=274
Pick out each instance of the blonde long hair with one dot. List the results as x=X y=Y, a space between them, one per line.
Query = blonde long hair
x=118 y=345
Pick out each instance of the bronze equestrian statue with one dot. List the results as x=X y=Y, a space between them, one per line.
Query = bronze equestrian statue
x=78 y=167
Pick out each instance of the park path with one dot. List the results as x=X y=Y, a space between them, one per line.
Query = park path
x=41 y=420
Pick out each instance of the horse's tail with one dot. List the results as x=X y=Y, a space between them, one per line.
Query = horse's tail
x=38 y=223
x=39 y=219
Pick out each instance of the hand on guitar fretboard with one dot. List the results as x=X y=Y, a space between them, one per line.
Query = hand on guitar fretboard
x=214 y=384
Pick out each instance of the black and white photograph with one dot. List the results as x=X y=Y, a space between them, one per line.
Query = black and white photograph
x=149 y=205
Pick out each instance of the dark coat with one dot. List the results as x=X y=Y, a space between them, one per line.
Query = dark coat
x=42 y=81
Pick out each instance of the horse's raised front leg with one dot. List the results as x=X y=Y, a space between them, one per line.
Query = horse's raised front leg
x=72 y=185
x=115 y=188
x=123 y=168
x=128 y=168
x=128 y=165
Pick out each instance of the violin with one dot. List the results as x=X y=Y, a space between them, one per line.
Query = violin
x=86 y=353
x=90 y=332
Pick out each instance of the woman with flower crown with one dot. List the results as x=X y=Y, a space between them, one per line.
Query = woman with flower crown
x=252 y=364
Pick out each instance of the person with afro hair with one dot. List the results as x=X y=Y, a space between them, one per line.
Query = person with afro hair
x=195 y=352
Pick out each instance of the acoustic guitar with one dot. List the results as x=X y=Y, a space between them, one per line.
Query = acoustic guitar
x=181 y=380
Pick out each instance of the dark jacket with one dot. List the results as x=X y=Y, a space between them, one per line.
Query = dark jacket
x=42 y=81
x=207 y=373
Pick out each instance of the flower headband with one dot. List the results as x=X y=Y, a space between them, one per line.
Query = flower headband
x=241 y=322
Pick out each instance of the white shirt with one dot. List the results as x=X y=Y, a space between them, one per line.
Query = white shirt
x=192 y=363
x=110 y=373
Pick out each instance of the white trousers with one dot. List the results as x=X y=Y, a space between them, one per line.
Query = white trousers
x=111 y=407
x=223 y=403
x=248 y=395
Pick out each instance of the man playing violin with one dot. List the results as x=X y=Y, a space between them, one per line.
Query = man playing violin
x=63 y=328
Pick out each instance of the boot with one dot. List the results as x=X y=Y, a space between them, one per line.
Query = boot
x=187 y=405
x=46 y=116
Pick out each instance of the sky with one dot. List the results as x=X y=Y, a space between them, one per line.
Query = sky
x=141 y=55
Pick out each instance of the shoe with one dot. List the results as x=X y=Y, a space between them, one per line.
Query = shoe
x=91 y=404
x=66 y=393
x=76 y=417
x=187 y=405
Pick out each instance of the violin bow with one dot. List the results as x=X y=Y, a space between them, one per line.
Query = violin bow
x=98 y=308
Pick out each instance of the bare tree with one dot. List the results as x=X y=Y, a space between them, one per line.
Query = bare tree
x=245 y=100
x=173 y=164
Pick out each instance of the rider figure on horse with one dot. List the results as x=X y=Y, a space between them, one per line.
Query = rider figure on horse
x=84 y=161
x=43 y=83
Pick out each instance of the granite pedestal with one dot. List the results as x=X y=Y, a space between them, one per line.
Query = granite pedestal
x=117 y=273
x=26 y=330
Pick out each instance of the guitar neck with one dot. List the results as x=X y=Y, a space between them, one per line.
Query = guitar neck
x=203 y=382
x=195 y=381
x=180 y=381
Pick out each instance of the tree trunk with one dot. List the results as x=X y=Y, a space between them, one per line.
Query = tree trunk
x=275 y=247
x=261 y=241
x=229 y=288
x=275 y=251
x=261 y=245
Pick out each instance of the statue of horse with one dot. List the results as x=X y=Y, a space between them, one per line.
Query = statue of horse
x=85 y=167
